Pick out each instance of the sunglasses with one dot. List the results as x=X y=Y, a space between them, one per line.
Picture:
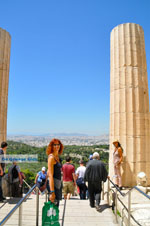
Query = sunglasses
x=56 y=145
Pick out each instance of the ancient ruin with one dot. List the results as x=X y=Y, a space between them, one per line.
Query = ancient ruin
x=5 y=42
x=129 y=101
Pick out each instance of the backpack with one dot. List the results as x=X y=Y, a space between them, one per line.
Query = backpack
x=80 y=181
x=14 y=173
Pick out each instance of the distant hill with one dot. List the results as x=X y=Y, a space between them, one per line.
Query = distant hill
x=67 y=139
x=49 y=134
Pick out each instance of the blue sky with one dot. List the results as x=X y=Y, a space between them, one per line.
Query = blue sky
x=60 y=62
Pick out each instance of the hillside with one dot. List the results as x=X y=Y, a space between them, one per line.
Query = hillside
x=76 y=152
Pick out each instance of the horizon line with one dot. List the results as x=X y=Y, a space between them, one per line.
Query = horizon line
x=55 y=134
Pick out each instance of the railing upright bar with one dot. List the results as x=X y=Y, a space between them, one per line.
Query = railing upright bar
x=116 y=205
x=63 y=217
x=108 y=190
x=129 y=208
x=37 y=207
x=46 y=196
x=102 y=190
x=20 y=215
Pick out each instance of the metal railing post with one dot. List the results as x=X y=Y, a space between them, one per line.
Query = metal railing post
x=46 y=196
x=102 y=190
x=122 y=217
x=37 y=207
x=20 y=216
x=108 y=190
x=63 y=216
x=116 y=205
x=129 y=208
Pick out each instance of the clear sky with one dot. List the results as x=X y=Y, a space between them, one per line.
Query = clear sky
x=60 y=62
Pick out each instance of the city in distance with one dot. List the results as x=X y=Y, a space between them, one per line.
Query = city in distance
x=66 y=138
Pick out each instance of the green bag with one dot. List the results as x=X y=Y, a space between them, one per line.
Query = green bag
x=50 y=214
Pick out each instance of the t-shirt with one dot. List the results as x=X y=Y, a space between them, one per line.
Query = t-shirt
x=42 y=176
x=68 y=169
x=81 y=171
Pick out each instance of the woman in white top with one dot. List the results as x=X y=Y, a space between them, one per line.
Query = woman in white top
x=80 y=179
x=117 y=160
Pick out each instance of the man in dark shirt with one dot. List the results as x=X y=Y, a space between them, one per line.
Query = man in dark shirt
x=95 y=173
x=2 y=168
x=69 y=178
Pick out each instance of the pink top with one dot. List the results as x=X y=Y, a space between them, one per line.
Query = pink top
x=116 y=157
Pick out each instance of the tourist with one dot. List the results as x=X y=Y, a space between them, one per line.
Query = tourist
x=69 y=178
x=41 y=179
x=80 y=179
x=22 y=179
x=15 y=180
x=95 y=173
x=2 y=169
x=117 y=159
x=54 y=149
x=91 y=157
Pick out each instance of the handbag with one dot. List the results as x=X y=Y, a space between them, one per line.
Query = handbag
x=50 y=214
x=80 y=181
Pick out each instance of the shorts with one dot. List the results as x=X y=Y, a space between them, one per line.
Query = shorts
x=68 y=187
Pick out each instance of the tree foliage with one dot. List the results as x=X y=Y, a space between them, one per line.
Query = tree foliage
x=76 y=152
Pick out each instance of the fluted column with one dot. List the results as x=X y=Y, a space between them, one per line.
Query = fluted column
x=129 y=101
x=5 y=41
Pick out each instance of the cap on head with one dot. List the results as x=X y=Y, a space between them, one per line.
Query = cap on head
x=95 y=155
x=43 y=168
x=90 y=157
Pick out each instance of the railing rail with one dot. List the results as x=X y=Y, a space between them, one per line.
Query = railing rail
x=128 y=209
x=19 y=205
x=135 y=187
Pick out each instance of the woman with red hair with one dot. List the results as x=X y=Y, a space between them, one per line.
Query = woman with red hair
x=54 y=149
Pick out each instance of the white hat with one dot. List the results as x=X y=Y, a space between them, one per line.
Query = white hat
x=95 y=154
x=43 y=168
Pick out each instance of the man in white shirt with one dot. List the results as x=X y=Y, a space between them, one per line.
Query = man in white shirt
x=80 y=179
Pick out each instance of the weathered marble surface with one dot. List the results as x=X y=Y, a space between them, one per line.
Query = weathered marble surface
x=5 y=42
x=129 y=101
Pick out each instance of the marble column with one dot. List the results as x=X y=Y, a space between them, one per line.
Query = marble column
x=5 y=42
x=129 y=101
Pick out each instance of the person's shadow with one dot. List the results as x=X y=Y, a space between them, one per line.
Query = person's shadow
x=16 y=200
x=126 y=170
x=13 y=200
x=103 y=207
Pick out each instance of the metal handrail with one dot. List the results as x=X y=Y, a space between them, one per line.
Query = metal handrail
x=135 y=187
x=129 y=200
x=18 y=205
